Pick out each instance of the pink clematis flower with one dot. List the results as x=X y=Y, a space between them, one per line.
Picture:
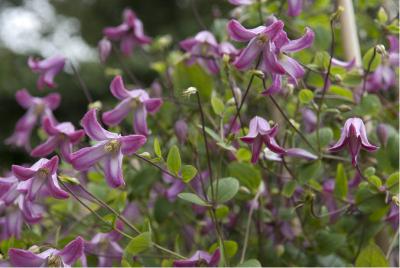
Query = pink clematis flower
x=130 y=33
x=104 y=47
x=260 y=132
x=61 y=136
x=204 y=50
x=295 y=7
x=110 y=149
x=200 y=258
x=38 y=108
x=49 y=258
x=48 y=69
x=354 y=136
x=241 y=2
x=43 y=172
x=131 y=100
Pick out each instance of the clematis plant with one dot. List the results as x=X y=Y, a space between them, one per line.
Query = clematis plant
x=47 y=69
x=51 y=257
x=354 y=136
x=37 y=109
x=109 y=149
x=136 y=100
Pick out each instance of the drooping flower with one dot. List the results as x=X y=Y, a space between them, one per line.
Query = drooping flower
x=354 y=136
x=203 y=49
x=345 y=64
x=106 y=247
x=382 y=131
x=109 y=149
x=181 y=130
x=136 y=100
x=61 y=136
x=43 y=172
x=104 y=47
x=48 y=69
x=261 y=133
x=200 y=258
x=49 y=258
x=294 y=7
x=309 y=119
x=37 y=108
x=130 y=33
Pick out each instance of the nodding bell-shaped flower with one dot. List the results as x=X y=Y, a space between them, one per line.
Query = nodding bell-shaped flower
x=37 y=108
x=48 y=69
x=354 y=136
x=61 y=136
x=49 y=258
x=136 y=100
x=43 y=172
x=261 y=133
x=204 y=50
x=130 y=33
x=200 y=259
x=109 y=149
x=104 y=47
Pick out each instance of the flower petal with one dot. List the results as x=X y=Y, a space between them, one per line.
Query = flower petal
x=292 y=67
x=24 y=98
x=93 y=128
x=256 y=149
x=153 y=104
x=52 y=100
x=24 y=258
x=140 y=122
x=85 y=158
x=45 y=148
x=116 y=115
x=249 y=54
x=118 y=89
x=55 y=189
x=23 y=173
x=113 y=169
x=299 y=44
x=298 y=152
x=131 y=143
x=238 y=33
x=72 y=251
x=294 y=7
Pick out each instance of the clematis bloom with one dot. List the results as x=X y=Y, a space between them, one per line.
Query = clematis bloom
x=51 y=257
x=130 y=33
x=43 y=172
x=110 y=149
x=48 y=69
x=136 y=100
x=61 y=136
x=354 y=136
x=294 y=7
x=104 y=47
x=200 y=258
x=37 y=108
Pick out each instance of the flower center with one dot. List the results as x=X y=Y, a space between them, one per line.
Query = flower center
x=43 y=172
x=54 y=261
x=112 y=146
x=134 y=103
x=39 y=108
x=263 y=38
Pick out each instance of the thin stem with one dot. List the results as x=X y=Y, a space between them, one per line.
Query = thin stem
x=197 y=16
x=366 y=73
x=392 y=244
x=327 y=156
x=82 y=84
x=168 y=251
x=125 y=68
x=260 y=15
x=326 y=83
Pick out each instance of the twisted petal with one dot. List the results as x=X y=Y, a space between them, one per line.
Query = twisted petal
x=118 y=89
x=72 y=251
x=273 y=146
x=45 y=148
x=140 y=123
x=25 y=258
x=139 y=33
x=93 y=128
x=24 y=98
x=299 y=44
x=32 y=212
x=85 y=158
x=52 y=100
x=66 y=150
x=23 y=173
x=295 y=7
x=130 y=144
x=292 y=67
x=116 y=115
x=116 y=33
x=153 y=104
x=298 y=152
x=249 y=54
x=113 y=169
x=238 y=33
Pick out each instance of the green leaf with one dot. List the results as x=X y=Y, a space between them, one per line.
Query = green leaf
x=250 y=263
x=369 y=171
x=217 y=105
x=157 y=148
x=392 y=183
x=289 y=188
x=309 y=171
x=306 y=96
x=192 y=198
x=243 y=154
x=222 y=211
x=375 y=180
x=247 y=174
x=174 y=160
x=329 y=242
x=370 y=104
x=325 y=137
x=371 y=256
x=341 y=91
x=138 y=244
x=371 y=57
x=225 y=189
x=188 y=173
x=230 y=247
x=341 y=186
x=382 y=16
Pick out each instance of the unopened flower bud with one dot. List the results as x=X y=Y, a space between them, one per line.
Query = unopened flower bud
x=279 y=250
x=181 y=131
x=156 y=89
x=104 y=47
x=226 y=58
x=395 y=200
x=338 y=13
x=238 y=94
x=382 y=131
x=258 y=73
x=145 y=155
x=95 y=105
x=338 y=78
x=344 y=108
x=189 y=91
x=380 y=49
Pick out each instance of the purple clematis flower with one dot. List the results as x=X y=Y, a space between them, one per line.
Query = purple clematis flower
x=200 y=258
x=106 y=247
x=43 y=172
x=51 y=257
x=295 y=7
x=137 y=100
x=260 y=132
x=104 y=47
x=355 y=137
x=48 y=69
x=241 y=2
x=61 y=135
x=204 y=50
x=130 y=33
x=181 y=130
x=110 y=148
x=38 y=108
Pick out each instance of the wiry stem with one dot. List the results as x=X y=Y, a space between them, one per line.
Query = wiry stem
x=82 y=84
x=366 y=73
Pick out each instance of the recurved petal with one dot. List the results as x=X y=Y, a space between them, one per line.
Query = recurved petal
x=131 y=143
x=72 y=251
x=45 y=148
x=249 y=54
x=273 y=146
x=85 y=158
x=276 y=85
x=364 y=141
x=52 y=100
x=55 y=189
x=153 y=104
x=116 y=115
x=113 y=169
x=23 y=173
x=298 y=152
x=238 y=33
x=118 y=89
x=24 y=258
x=292 y=67
x=294 y=7
x=299 y=44
x=24 y=98
x=140 y=122
x=93 y=128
